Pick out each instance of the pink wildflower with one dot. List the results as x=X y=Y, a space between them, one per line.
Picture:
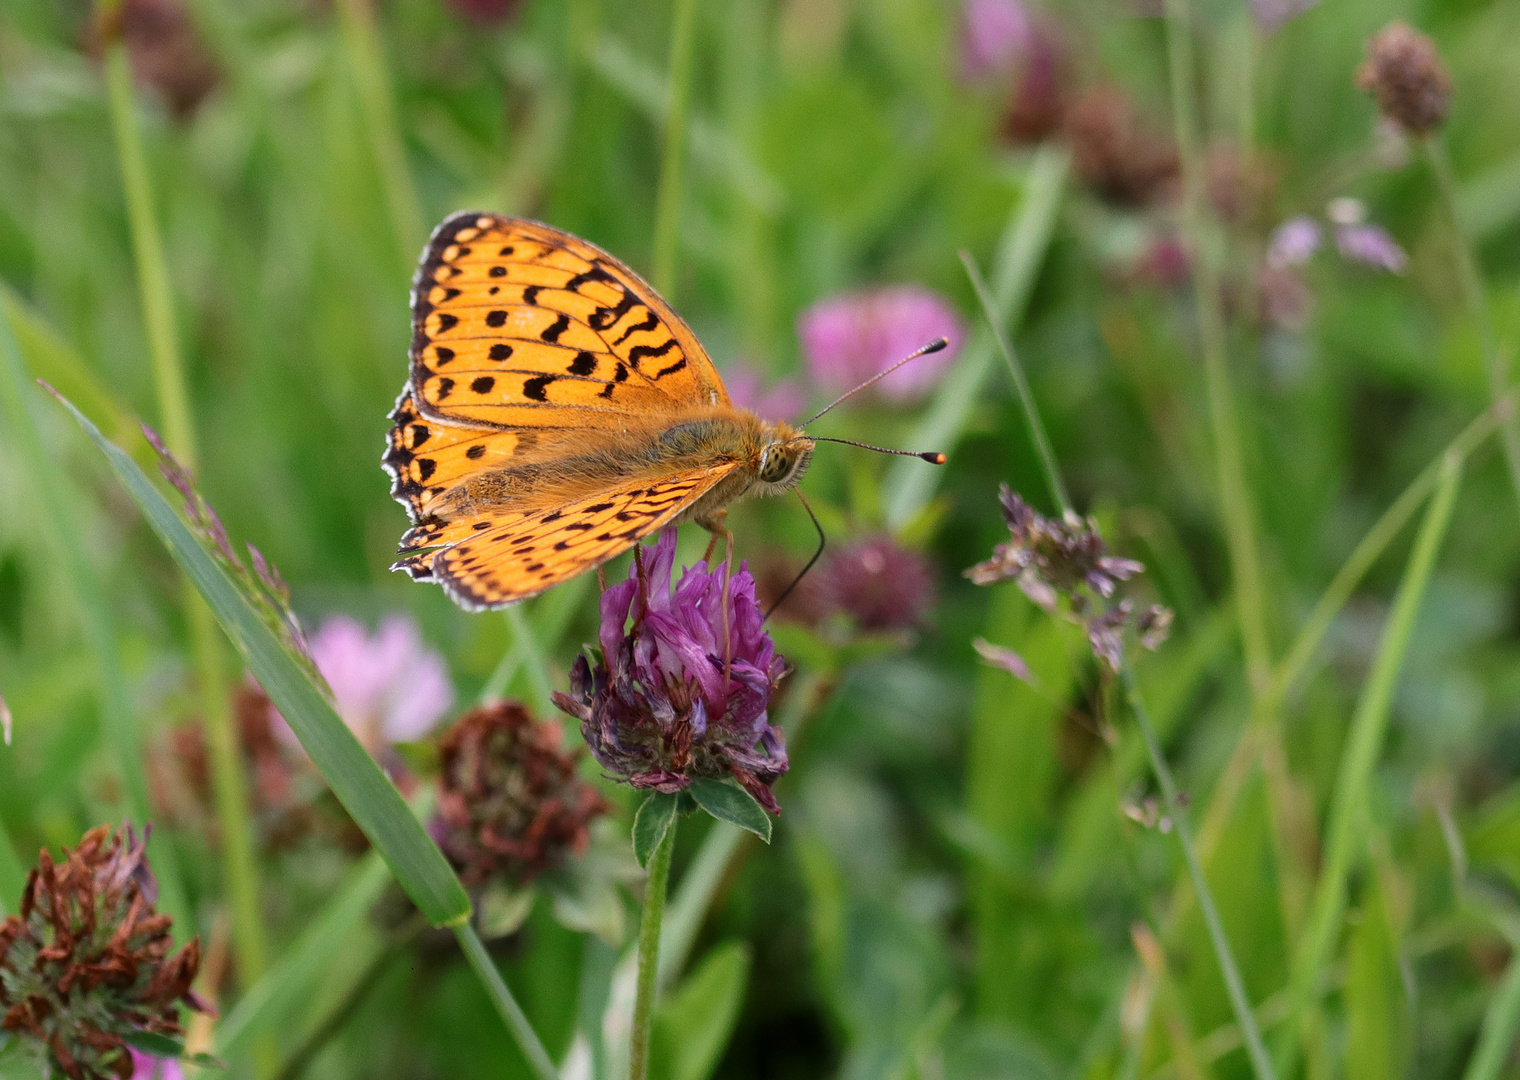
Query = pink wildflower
x=848 y=338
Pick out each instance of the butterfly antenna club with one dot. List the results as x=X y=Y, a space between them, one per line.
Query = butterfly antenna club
x=933 y=347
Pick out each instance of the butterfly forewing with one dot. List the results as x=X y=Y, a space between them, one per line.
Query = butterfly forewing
x=518 y=324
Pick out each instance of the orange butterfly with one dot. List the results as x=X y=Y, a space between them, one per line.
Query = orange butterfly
x=557 y=412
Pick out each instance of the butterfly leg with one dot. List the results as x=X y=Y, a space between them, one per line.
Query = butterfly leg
x=714 y=523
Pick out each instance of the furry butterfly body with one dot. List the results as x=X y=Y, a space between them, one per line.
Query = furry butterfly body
x=557 y=411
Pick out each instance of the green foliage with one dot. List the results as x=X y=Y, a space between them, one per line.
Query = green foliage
x=953 y=887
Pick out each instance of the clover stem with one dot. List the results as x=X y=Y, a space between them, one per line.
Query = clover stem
x=649 y=955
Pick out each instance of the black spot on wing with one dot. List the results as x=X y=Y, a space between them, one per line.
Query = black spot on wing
x=537 y=388
x=583 y=364
x=648 y=352
x=476 y=452
x=501 y=353
x=553 y=331
x=496 y=319
x=483 y=384
x=672 y=369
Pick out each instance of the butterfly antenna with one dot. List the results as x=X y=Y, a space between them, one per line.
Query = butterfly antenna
x=933 y=457
x=933 y=347
x=822 y=541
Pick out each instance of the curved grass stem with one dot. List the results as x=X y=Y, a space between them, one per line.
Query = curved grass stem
x=1495 y=359
x=1240 y=1003
x=667 y=214
x=503 y=1001
x=1235 y=500
x=157 y=299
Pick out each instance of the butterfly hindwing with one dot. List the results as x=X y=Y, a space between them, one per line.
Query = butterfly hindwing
x=496 y=558
x=517 y=324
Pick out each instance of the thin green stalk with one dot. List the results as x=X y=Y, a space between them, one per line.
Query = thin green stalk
x=1305 y=644
x=505 y=1003
x=1495 y=361
x=667 y=213
x=118 y=721
x=649 y=955
x=525 y=642
x=1240 y=1003
x=366 y=58
x=1499 y=1023
x=1235 y=501
x=1026 y=398
x=12 y=874
x=1348 y=806
x=909 y=486
x=179 y=432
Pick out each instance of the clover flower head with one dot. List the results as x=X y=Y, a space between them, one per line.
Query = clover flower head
x=1404 y=72
x=388 y=687
x=995 y=36
x=510 y=804
x=145 y=1067
x=878 y=583
x=849 y=337
x=782 y=400
x=87 y=961
x=164 y=48
x=1125 y=159
x=683 y=684
x=1053 y=560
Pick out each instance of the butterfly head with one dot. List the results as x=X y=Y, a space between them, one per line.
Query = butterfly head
x=784 y=458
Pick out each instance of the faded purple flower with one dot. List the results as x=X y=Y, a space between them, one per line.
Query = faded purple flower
x=145 y=1067
x=878 y=583
x=389 y=688
x=850 y=337
x=1006 y=659
x=1293 y=243
x=1286 y=301
x=1051 y=560
x=1370 y=245
x=782 y=400
x=1038 y=104
x=995 y=36
x=684 y=680
x=1273 y=15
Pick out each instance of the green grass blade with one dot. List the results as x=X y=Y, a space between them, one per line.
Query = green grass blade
x=118 y=721
x=366 y=60
x=50 y=357
x=909 y=486
x=1363 y=744
x=1499 y=1023
x=365 y=792
x=294 y=976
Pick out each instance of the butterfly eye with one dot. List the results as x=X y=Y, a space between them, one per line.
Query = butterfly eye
x=776 y=466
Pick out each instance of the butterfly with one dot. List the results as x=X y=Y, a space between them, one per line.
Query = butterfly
x=557 y=411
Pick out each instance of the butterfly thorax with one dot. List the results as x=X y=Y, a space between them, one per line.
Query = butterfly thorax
x=766 y=458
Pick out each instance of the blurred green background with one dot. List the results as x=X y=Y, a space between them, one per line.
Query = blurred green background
x=968 y=872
